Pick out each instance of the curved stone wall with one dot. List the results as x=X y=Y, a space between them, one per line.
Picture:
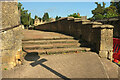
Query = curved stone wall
x=98 y=36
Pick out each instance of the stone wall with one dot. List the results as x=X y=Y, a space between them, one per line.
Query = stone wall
x=115 y=21
x=10 y=15
x=10 y=35
x=98 y=36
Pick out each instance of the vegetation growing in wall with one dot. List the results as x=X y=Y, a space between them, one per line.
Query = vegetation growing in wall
x=75 y=15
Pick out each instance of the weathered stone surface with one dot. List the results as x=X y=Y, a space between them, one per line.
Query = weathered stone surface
x=10 y=16
x=11 y=45
x=84 y=65
x=97 y=35
x=11 y=38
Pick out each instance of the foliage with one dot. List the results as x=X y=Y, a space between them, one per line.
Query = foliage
x=110 y=11
x=19 y=6
x=39 y=18
x=36 y=16
x=57 y=17
x=46 y=17
x=98 y=16
x=5 y=68
x=117 y=5
x=26 y=19
x=101 y=12
x=75 y=15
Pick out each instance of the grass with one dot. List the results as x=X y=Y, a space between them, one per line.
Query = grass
x=5 y=68
x=83 y=50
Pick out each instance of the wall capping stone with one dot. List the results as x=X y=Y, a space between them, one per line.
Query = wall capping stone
x=93 y=23
x=62 y=18
x=70 y=18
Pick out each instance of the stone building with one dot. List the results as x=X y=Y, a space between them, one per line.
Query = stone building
x=37 y=22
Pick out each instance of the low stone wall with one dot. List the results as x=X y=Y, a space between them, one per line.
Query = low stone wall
x=98 y=36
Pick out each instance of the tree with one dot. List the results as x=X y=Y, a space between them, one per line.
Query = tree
x=75 y=15
x=19 y=6
x=99 y=11
x=117 y=5
x=26 y=19
x=110 y=11
x=39 y=18
x=46 y=17
x=36 y=17
x=57 y=17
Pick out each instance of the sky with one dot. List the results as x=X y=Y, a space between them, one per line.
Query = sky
x=60 y=8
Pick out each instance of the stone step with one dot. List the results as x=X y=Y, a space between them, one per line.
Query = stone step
x=48 y=38
x=58 y=50
x=50 y=41
x=50 y=46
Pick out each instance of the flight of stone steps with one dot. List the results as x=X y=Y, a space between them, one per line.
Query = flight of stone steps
x=53 y=45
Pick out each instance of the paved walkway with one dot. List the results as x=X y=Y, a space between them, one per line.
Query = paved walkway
x=64 y=66
x=77 y=65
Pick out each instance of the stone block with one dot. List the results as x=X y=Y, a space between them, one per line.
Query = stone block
x=103 y=54
x=7 y=40
x=10 y=15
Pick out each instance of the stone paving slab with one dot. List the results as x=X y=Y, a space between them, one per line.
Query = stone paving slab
x=75 y=65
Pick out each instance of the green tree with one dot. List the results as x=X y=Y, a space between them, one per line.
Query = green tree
x=39 y=18
x=25 y=17
x=75 y=15
x=57 y=17
x=46 y=17
x=99 y=12
x=110 y=11
x=36 y=16
x=19 y=6
x=117 y=5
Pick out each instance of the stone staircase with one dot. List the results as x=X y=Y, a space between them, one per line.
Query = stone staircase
x=53 y=45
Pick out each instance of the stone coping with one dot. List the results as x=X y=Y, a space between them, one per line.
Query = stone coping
x=94 y=24
x=103 y=26
x=2 y=30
